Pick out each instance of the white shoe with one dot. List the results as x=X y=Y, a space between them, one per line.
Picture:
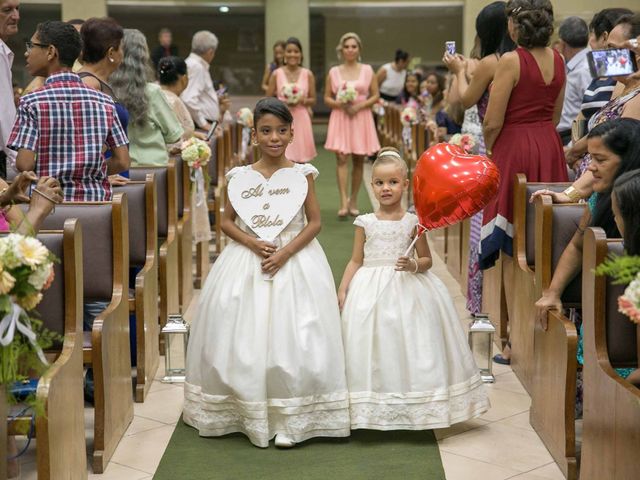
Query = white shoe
x=284 y=441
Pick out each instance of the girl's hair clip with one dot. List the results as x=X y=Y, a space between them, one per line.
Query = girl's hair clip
x=516 y=10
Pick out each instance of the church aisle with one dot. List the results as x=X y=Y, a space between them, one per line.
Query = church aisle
x=498 y=446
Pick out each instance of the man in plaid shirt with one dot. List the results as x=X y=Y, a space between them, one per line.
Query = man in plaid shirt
x=61 y=128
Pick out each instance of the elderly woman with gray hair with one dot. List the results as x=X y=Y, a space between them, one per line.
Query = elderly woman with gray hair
x=202 y=100
x=152 y=122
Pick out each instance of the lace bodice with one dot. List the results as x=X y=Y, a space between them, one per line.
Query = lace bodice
x=298 y=222
x=386 y=240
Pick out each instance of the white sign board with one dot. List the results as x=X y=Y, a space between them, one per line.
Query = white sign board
x=267 y=206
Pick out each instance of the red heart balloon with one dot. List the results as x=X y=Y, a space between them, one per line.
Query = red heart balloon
x=450 y=185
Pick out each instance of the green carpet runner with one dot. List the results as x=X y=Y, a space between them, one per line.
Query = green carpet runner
x=363 y=456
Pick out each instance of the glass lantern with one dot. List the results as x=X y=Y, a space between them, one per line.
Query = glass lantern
x=176 y=337
x=481 y=332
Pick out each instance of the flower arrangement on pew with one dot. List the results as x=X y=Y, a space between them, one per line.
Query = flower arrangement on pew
x=378 y=108
x=291 y=93
x=197 y=153
x=346 y=93
x=408 y=117
x=625 y=269
x=464 y=140
x=245 y=118
x=26 y=270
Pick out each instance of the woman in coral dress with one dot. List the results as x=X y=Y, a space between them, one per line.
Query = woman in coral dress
x=296 y=86
x=351 y=88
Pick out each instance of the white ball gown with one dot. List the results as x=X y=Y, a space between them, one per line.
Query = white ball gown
x=266 y=356
x=408 y=362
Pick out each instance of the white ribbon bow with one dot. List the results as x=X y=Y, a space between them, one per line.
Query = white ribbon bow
x=18 y=318
x=197 y=177
x=246 y=138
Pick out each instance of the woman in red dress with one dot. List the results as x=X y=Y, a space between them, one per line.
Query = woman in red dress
x=519 y=127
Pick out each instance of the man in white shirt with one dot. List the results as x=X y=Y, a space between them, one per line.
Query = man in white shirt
x=9 y=18
x=573 y=45
x=200 y=97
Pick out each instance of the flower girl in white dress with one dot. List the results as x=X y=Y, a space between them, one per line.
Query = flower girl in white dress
x=265 y=357
x=408 y=363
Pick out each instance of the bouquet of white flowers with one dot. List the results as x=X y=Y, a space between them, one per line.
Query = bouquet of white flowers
x=291 y=93
x=346 y=93
x=629 y=302
x=245 y=117
x=409 y=116
x=195 y=152
x=26 y=270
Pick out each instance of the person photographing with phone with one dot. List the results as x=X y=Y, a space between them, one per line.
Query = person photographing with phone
x=205 y=104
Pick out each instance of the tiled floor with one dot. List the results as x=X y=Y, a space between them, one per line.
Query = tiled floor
x=500 y=445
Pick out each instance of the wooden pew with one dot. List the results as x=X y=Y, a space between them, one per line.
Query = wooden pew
x=521 y=327
x=105 y=256
x=185 y=234
x=553 y=390
x=143 y=248
x=611 y=419
x=167 y=234
x=59 y=432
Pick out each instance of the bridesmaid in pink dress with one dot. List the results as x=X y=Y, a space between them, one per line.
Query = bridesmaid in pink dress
x=303 y=147
x=351 y=129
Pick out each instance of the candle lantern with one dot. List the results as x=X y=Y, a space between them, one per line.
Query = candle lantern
x=481 y=332
x=176 y=337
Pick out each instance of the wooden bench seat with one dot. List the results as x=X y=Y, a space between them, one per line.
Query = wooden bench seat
x=553 y=389
x=143 y=297
x=59 y=432
x=521 y=327
x=105 y=257
x=166 y=195
x=611 y=419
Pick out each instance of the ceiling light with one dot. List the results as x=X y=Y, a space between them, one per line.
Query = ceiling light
x=224 y=9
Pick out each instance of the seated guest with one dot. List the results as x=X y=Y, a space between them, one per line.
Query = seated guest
x=61 y=128
x=615 y=149
x=624 y=205
x=410 y=94
x=44 y=197
x=200 y=97
x=599 y=91
x=152 y=123
x=574 y=39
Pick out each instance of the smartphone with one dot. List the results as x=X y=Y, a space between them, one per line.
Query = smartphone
x=450 y=47
x=221 y=91
x=612 y=62
x=212 y=130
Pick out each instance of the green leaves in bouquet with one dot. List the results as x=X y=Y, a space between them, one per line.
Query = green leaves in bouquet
x=622 y=268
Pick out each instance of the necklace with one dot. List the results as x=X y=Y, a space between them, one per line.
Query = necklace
x=292 y=77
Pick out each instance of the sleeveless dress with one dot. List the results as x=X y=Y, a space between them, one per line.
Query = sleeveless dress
x=408 y=361
x=352 y=135
x=528 y=143
x=393 y=84
x=266 y=356
x=303 y=147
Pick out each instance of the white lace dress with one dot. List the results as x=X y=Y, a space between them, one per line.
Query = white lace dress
x=266 y=357
x=408 y=362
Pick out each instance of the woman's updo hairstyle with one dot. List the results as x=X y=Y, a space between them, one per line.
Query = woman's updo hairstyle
x=271 y=106
x=170 y=69
x=533 y=20
x=401 y=55
x=346 y=37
